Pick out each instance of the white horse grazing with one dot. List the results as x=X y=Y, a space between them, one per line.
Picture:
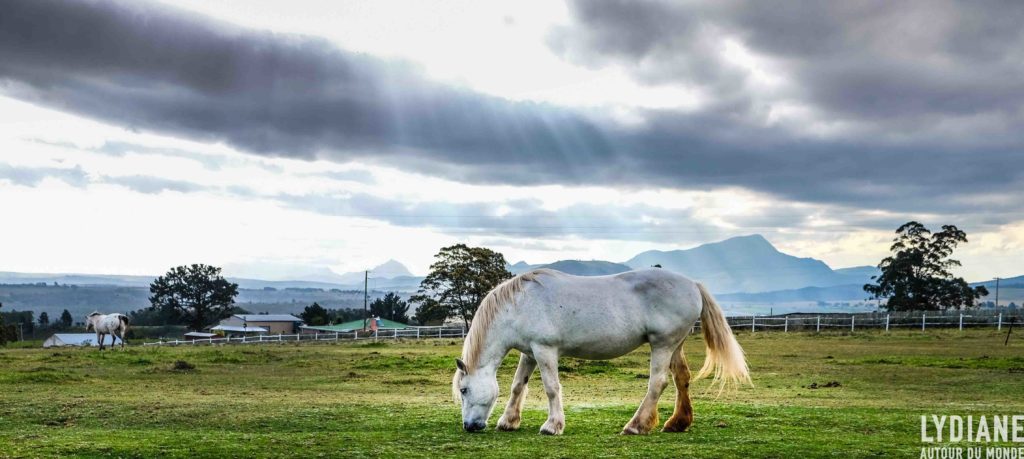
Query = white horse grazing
x=546 y=314
x=113 y=324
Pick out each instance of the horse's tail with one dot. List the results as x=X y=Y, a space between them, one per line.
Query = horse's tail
x=725 y=358
x=124 y=322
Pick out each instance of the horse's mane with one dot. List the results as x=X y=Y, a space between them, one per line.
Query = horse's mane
x=495 y=301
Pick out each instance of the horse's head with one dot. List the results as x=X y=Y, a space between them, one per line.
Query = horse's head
x=478 y=390
x=90 y=320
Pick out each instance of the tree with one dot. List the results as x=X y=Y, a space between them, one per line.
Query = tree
x=44 y=319
x=197 y=293
x=66 y=321
x=916 y=276
x=315 y=314
x=430 y=312
x=391 y=307
x=459 y=280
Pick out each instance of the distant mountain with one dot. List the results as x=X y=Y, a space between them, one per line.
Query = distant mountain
x=389 y=270
x=574 y=267
x=1009 y=282
x=588 y=268
x=835 y=293
x=520 y=267
x=747 y=264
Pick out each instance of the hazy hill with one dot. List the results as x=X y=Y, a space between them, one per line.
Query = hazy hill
x=747 y=264
x=574 y=267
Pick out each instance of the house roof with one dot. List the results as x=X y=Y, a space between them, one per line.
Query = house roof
x=200 y=334
x=358 y=325
x=231 y=328
x=268 y=317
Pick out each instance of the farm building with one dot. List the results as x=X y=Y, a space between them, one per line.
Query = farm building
x=232 y=331
x=200 y=335
x=272 y=323
x=353 y=325
x=73 y=339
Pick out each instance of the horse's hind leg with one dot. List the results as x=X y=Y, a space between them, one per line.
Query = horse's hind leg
x=646 y=417
x=510 y=420
x=682 y=417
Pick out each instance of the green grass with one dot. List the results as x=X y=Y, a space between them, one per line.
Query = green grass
x=394 y=400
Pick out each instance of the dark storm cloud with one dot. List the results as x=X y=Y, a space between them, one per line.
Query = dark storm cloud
x=869 y=60
x=921 y=85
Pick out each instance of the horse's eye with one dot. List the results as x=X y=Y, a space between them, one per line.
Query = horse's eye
x=463 y=390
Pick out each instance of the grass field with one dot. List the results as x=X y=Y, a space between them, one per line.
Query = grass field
x=358 y=400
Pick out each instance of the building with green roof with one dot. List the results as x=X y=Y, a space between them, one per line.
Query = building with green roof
x=354 y=325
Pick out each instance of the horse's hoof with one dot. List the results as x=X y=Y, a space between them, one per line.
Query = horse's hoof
x=552 y=428
x=629 y=430
x=676 y=426
x=507 y=426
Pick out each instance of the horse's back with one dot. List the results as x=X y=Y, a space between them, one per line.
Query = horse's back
x=607 y=316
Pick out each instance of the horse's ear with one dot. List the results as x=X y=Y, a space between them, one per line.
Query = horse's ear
x=461 y=365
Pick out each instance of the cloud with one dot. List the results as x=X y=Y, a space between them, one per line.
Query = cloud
x=917 y=117
x=154 y=185
x=32 y=176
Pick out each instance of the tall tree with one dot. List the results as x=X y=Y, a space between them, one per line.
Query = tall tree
x=66 y=321
x=44 y=319
x=315 y=314
x=460 y=278
x=391 y=307
x=197 y=293
x=917 y=277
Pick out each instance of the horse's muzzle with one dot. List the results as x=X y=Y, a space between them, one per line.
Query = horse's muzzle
x=473 y=426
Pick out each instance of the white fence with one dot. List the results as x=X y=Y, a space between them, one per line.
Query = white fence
x=790 y=323
x=409 y=333
x=852 y=322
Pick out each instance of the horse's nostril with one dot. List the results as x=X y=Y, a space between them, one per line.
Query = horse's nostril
x=473 y=426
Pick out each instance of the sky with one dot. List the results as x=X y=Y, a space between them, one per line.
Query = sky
x=286 y=138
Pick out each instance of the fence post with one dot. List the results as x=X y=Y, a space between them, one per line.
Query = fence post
x=922 y=321
x=1000 y=323
x=753 y=322
x=853 y=319
x=785 y=329
x=961 y=321
x=818 y=328
x=887 y=322
x=417 y=333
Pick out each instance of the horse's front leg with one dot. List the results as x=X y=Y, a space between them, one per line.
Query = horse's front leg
x=512 y=416
x=102 y=338
x=646 y=417
x=547 y=360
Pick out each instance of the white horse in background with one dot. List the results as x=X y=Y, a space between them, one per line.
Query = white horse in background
x=547 y=314
x=116 y=325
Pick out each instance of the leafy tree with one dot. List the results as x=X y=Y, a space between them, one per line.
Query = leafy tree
x=391 y=307
x=459 y=280
x=916 y=276
x=315 y=314
x=430 y=312
x=44 y=319
x=66 y=321
x=197 y=293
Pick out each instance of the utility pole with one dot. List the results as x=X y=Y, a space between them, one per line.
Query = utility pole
x=997 y=293
x=366 y=295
